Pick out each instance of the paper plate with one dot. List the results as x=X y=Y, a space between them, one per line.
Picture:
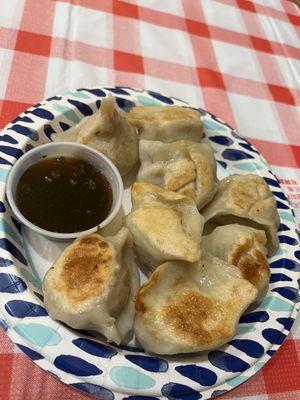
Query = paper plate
x=117 y=372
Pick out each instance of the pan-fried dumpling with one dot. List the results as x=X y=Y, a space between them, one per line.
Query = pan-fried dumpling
x=183 y=167
x=166 y=123
x=246 y=200
x=92 y=285
x=165 y=225
x=190 y=307
x=108 y=132
x=244 y=247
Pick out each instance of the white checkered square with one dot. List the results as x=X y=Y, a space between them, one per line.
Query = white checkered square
x=5 y=63
x=222 y=15
x=83 y=24
x=290 y=70
x=278 y=31
x=262 y=123
x=11 y=13
x=166 y=44
x=270 y=3
x=237 y=60
x=65 y=75
x=166 y=6
x=189 y=93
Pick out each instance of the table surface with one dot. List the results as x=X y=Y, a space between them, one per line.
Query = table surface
x=238 y=59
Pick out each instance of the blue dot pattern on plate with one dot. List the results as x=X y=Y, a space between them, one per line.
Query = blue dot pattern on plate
x=227 y=362
x=82 y=107
x=286 y=322
x=34 y=355
x=255 y=316
x=148 y=363
x=126 y=368
x=11 y=284
x=279 y=277
x=289 y=293
x=249 y=347
x=42 y=113
x=175 y=391
x=273 y=336
x=285 y=263
x=76 y=365
x=23 y=309
x=26 y=131
x=94 y=390
x=95 y=348
x=235 y=155
x=4 y=262
x=7 y=245
x=38 y=334
x=223 y=140
x=201 y=375
x=95 y=92
x=11 y=151
x=131 y=378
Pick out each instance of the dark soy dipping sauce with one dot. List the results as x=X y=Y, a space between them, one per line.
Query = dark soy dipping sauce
x=64 y=194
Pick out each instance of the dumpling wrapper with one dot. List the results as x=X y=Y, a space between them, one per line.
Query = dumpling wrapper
x=164 y=225
x=191 y=307
x=246 y=200
x=166 y=123
x=183 y=167
x=108 y=132
x=244 y=247
x=92 y=285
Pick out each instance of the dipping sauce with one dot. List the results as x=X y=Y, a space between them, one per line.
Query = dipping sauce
x=64 y=194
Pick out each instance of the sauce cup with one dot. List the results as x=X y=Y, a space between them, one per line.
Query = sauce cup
x=67 y=149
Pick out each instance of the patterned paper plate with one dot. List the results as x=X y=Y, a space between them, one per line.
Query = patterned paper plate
x=117 y=372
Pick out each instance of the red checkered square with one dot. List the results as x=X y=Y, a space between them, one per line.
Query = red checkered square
x=128 y=62
x=6 y=361
x=285 y=379
x=281 y=94
x=246 y=5
x=33 y=43
x=210 y=78
x=261 y=44
x=125 y=9
x=11 y=109
x=197 y=28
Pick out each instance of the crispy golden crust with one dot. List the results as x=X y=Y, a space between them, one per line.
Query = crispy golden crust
x=179 y=174
x=140 y=305
x=141 y=116
x=253 y=265
x=189 y=315
x=84 y=268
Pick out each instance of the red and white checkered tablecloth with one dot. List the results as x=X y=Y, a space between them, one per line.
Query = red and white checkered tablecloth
x=238 y=59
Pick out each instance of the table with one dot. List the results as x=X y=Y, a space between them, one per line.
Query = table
x=238 y=59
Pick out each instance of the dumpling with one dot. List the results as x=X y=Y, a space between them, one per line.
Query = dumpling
x=165 y=225
x=166 y=123
x=245 y=248
x=190 y=307
x=246 y=200
x=108 y=132
x=92 y=285
x=184 y=167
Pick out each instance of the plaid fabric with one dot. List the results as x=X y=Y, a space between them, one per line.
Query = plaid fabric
x=238 y=59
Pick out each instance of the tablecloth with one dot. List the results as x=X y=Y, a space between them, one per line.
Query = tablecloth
x=238 y=59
